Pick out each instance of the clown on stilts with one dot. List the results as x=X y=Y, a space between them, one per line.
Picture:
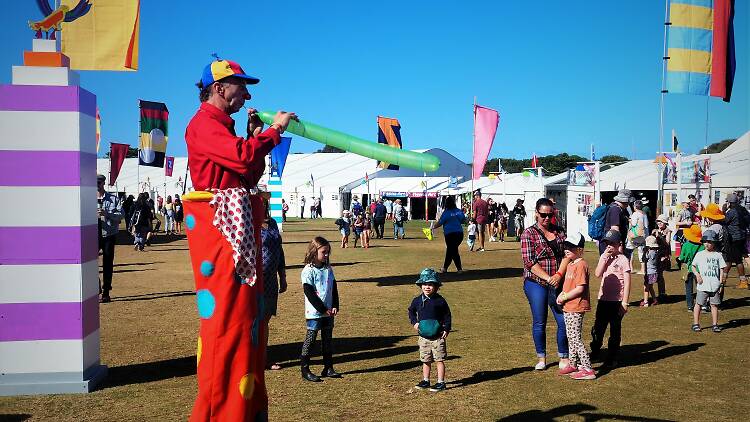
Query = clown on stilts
x=223 y=218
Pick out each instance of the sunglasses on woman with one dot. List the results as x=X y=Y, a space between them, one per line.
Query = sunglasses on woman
x=546 y=214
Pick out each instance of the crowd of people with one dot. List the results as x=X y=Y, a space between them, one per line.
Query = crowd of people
x=234 y=243
x=556 y=276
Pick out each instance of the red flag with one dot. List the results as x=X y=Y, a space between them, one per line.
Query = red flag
x=486 y=121
x=117 y=155
x=534 y=161
x=169 y=167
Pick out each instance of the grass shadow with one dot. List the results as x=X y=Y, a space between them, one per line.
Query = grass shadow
x=129 y=271
x=735 y=323
x=469 y=275
x=395 y=367
x=18 y=417
x=138 y=263
x=334 y=264
x=483 y=376
x=152 y=296
x=347 y=349
x=579 y=409
x=643 y=353
x=735 y=302
x=138 y=373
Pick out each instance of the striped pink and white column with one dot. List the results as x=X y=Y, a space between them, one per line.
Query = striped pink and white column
x=49 y=308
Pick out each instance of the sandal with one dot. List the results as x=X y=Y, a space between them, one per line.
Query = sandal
x=716 y=329
x=696 y=328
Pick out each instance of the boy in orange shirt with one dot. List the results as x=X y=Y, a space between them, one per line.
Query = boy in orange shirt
x=575 y=300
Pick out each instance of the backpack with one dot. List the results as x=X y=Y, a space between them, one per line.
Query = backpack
x=597 y=221
x=402 y=214
x=357 y=209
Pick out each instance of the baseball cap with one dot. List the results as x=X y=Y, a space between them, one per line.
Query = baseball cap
x=612 y=236
x=732 y=198
x=220 y=69
x=709 y=236
x=575 y=240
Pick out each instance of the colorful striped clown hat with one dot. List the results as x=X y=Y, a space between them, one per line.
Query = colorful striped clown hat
x=220 y=69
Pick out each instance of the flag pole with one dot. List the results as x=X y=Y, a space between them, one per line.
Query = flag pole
x=473 y=148
x=138 y=155
x=184 y=181
x=665 y=57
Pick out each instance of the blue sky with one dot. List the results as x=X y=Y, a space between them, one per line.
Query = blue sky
x=562 y=74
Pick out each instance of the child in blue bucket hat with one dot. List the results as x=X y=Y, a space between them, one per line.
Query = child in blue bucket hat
x=430 y=315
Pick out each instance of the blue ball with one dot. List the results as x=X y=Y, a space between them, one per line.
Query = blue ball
x=207 y=268
x=206 y=303
x=190 y=221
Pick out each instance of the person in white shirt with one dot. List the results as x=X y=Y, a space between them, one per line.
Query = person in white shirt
x=710 y=271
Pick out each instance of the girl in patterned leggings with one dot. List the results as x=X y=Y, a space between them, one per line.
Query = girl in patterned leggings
x=576 y=302
x=321 y=306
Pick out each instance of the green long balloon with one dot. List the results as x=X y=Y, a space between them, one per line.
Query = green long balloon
x=334 y=138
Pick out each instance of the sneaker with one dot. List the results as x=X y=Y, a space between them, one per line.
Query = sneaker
x=105 y=299
x=706 y=309
x=439 y=386
x=584 y=374
x=655 y=302
x=716 y=329
x=570 y=369
x=696 y=328
x=480 y=250
x=540 y=366
x=643 y=304
x=422 y=385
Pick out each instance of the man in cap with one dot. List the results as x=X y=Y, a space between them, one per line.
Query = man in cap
x=225 y=247
x=109 y=215
x=736 y=221
x=617 y=219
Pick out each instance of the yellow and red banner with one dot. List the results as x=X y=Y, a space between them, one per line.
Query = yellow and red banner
x=105 y=38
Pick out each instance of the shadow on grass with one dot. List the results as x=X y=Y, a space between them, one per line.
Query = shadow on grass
x=643 y=353
x=735 y=323
x=735 y=302
x=395 y=367
x=166 y=250
x=483 y=376
x=130 y=271
x=348 y=349
x=18 y=417
x=152 y=296
x=582 y=410
x=138 y=373
x=334 y=264
x=467 y=275
x=138 y=263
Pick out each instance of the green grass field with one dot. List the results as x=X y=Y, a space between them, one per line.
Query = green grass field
x=149 y=333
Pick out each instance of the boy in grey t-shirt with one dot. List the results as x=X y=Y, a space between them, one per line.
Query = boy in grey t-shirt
x=710 y=271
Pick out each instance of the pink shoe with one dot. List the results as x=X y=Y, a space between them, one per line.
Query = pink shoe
x=570 y=369
x=584 y=374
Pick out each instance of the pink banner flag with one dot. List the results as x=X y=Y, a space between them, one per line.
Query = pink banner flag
x=485 y=127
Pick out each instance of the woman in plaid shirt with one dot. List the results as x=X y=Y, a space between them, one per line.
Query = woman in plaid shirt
x=543 y=270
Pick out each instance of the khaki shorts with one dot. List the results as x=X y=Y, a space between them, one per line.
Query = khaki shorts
x=711 y=297
x=432 y=350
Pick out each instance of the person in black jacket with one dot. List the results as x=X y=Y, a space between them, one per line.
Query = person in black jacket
x=431 y=317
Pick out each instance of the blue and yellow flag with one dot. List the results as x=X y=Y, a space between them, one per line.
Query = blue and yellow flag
x=701 y=48
x=389 y=133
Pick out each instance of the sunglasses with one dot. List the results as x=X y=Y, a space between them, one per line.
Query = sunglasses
x=546 y=214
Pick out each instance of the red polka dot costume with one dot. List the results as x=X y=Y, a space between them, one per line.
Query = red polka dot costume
x=223 y=229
